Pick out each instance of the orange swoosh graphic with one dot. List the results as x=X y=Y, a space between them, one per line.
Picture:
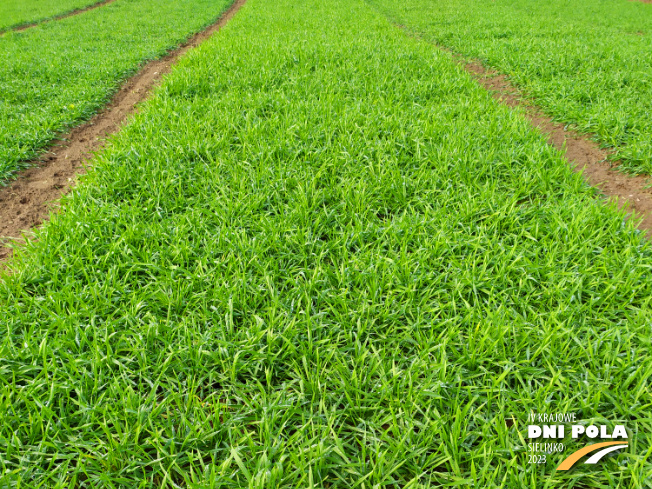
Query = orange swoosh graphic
x=575 y=456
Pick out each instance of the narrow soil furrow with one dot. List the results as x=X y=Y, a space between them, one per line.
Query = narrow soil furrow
x=24 y=203
x=585 y=155
x=58 y=17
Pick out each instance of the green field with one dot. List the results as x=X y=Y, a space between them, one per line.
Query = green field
x=322 y=256
x=54 y=76
x=586 y=62
x=14 y=13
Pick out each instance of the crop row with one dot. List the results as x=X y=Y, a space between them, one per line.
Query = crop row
x=321 y=256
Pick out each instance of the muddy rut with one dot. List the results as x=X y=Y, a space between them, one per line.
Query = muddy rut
x=24 y=204
x=582 y=153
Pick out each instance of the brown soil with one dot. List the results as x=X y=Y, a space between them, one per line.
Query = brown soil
x=642 y=1
x=24 y=204
x=584 y=154
x=59 y=17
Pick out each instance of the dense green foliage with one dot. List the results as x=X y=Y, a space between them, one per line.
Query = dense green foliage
x=322 y=256
x=55 y=75
x=586 y=62
x=19 y=12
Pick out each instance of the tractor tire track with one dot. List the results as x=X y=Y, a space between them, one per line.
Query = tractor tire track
x=583 y=154
x=27 y=201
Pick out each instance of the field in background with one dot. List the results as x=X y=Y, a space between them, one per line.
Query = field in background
x=55 y=76
x=586 y=62
x=14 y=13
x=322 y=256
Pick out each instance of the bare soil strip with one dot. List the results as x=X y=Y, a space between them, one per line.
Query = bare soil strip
x=585 y=155
x=24 y=203
x=58 y=17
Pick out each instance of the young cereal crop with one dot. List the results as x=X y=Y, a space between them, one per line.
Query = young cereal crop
x=15 y=13
x=57 y=75
x=586 y=62
x=322 y=256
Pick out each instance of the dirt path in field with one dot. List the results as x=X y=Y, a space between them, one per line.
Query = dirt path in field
x=28 y=200
x=583 y=153
x=59 y=17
